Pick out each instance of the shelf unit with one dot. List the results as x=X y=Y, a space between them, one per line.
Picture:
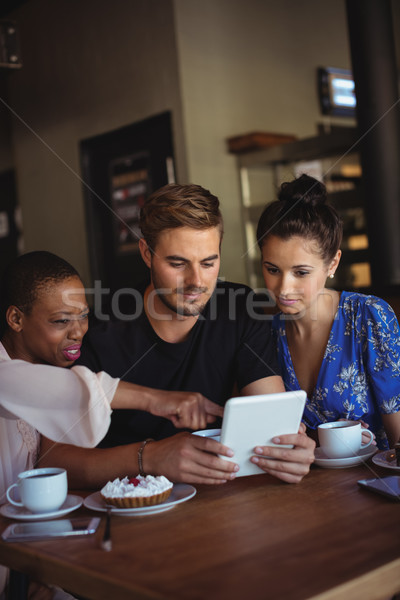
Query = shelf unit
x=330 y=157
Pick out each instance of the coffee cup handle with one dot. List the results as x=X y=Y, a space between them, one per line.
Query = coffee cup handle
x=371 y=435
x=9 y=495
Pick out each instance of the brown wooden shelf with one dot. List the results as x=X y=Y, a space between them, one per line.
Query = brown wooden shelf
x=339 y=142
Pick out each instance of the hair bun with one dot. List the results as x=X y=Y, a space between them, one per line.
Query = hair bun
x=303 y=189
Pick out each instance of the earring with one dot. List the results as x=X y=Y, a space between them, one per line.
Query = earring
x=331 y=276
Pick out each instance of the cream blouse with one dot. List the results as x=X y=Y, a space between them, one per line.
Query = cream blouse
x=66 y=405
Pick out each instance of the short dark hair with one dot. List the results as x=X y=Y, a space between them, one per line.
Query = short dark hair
x=302 y=210
x=24 y=277
x=174 y=206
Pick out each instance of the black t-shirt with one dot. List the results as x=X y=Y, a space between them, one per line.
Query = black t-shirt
x=229 y=344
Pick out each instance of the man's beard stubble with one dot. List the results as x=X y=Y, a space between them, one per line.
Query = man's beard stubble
x=184 y=310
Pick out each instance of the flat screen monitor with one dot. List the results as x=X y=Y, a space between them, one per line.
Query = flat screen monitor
x=336 y=91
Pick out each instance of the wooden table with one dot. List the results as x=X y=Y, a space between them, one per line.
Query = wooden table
x=252 y=538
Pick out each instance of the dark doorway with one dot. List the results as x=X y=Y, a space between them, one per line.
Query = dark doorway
x=120 y=169
x=10 y=227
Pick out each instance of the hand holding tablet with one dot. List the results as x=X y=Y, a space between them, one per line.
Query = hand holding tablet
x=251 y=421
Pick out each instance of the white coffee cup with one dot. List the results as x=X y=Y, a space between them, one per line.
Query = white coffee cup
x=342 y=439
x=214 y=434
x=41 y=490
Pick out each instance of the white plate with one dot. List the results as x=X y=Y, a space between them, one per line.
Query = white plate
x=386 y=459
x=180 y=493
x=23 y=514
x=342 y=463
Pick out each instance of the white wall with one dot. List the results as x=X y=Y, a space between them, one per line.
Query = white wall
x=89 y=67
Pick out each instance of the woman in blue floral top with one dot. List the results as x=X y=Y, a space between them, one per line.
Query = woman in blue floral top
x=343 y=348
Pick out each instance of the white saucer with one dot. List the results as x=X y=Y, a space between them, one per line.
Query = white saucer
x=342 y=463
x=23 y=514
x=386 y=459
x=180 y=493
x=215 y=434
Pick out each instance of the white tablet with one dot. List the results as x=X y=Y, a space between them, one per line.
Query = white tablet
x=251 y=421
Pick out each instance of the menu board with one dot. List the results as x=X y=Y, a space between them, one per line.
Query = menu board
x=130 y=186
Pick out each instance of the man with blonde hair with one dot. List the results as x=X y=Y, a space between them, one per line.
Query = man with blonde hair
x=194 y=335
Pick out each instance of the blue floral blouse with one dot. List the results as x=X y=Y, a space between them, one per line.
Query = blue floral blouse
x=360 y=372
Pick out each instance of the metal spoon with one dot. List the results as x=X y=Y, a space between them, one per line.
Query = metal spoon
x=106 y=542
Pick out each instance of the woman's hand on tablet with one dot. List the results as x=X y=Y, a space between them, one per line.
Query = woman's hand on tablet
x=288 y=464
x=189 y=458
x=186 y=410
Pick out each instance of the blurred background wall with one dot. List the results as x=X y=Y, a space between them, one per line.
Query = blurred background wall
x=222 y=67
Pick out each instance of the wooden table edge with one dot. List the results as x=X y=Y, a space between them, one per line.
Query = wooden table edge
x=379 y=583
